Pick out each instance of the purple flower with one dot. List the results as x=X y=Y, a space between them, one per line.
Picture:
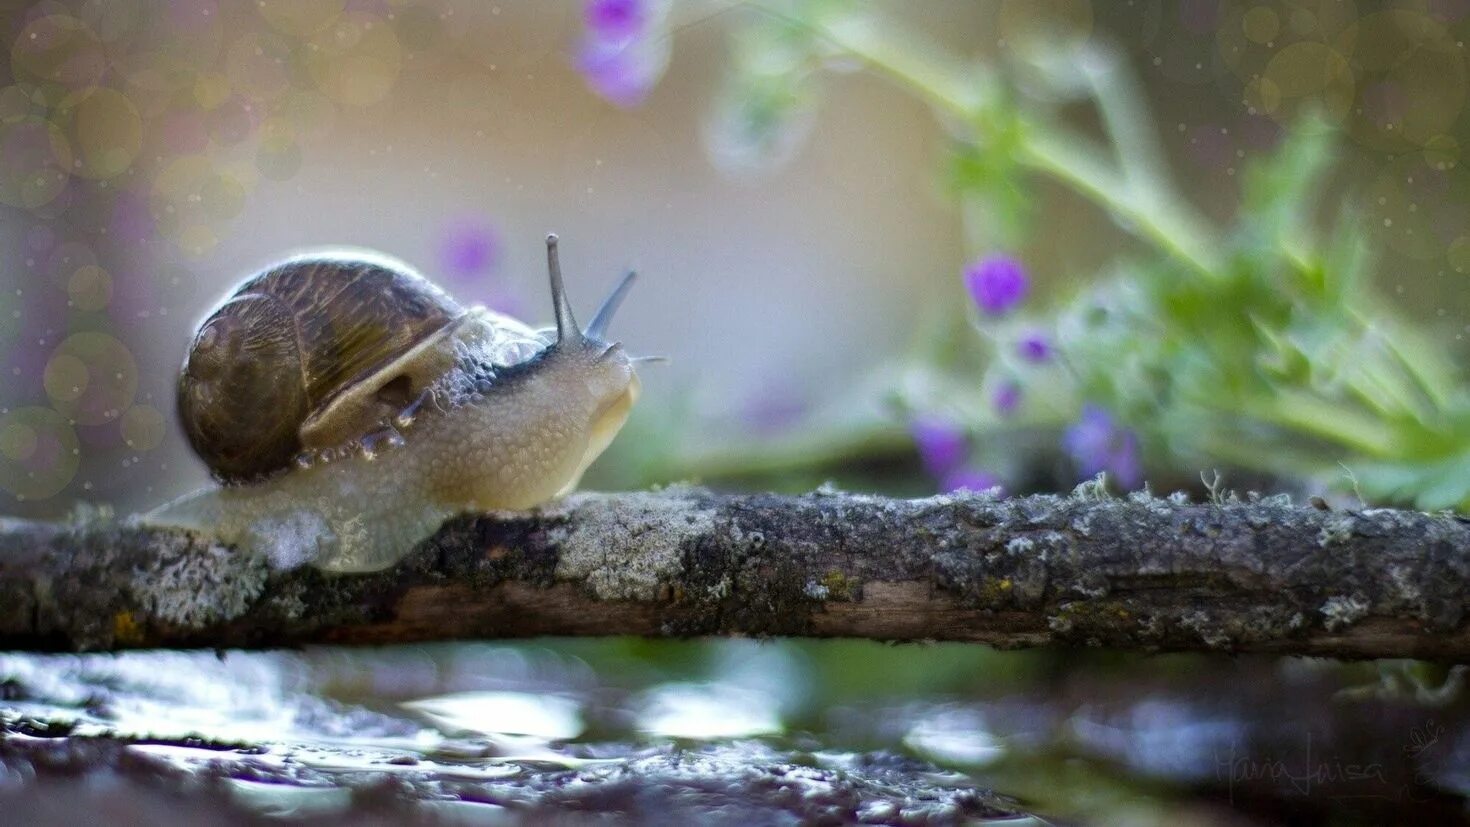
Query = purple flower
x=622 y=72
x=1007 y=398
x=969 y=479
x=469 y=250
x=997 y=284
x=1098 y=443
x=775 y=409
x=1034 y=347
x=941 y=442
x=619 y=20
x=623 y=53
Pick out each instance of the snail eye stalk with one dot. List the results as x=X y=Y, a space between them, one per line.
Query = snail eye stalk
x=567 y=331
x=598 y=328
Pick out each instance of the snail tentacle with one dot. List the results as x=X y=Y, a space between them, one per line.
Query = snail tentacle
x=567 y=331
x=598 y=327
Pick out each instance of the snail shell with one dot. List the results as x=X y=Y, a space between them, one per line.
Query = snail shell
x=318 y=356
x=312 y=370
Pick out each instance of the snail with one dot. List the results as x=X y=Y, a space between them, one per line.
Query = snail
x=347 y=406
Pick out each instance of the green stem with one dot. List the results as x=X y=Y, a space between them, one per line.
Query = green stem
x=1166 y=221
x=1308 y=414
x=1126 y=117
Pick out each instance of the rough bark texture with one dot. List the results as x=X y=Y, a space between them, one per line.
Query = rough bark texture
x=1138 y=573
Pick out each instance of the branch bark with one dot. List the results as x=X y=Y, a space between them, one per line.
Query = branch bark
x=1136 y=573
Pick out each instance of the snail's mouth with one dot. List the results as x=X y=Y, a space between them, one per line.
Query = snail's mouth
x=609 y=420
x=605 y=425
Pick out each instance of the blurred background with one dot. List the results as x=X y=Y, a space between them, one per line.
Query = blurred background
x=804 y=226
x=907 y=247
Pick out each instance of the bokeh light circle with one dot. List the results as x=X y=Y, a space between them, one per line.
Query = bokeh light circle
x=308 y=113
x=111 y=20
x=1412 y=79
x=35 y=162
x=189 y=197
x=194 y=38
x=61 y=56
x=65 y=259
x=91 y=378
x=1442 y=152
x=143 y=427
x=197 y=239
x=223 y=196
x=1311 y=75
x=1261 y=24
x=89 y=288
x=1249 y=33
x=356 y=60
x=17 y=103
x=258 y=65
x=39 y=453
x=279 y=155
x=152 y=84
x=1415 y=208
x=211 y=89
x=419 y=26
x=300 y=17
x=108 y=134
x=231 y=122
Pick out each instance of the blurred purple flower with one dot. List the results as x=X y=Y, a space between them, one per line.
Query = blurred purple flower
x=1098 y=443
x=619 y=20
x=623 y=53
x=622 y=72
x=941 y=442
x=997 y=284
x=1007 y=398
x=969 y=479
x=774 y=409
x=1034 y=347
x=469 y=250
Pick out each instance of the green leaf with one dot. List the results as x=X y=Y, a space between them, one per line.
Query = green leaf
x=1431 y=486
x=1278 y=191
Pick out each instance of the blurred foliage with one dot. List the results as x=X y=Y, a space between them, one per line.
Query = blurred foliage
x=1262 y=346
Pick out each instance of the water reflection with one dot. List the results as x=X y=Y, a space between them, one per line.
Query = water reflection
x=1162 y=737
x=514 y=713
x=706 y=711
x=956 y=736
x=467 y=728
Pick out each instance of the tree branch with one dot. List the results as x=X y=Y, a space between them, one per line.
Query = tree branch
x=1136 y=573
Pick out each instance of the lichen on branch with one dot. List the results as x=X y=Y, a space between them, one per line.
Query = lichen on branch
x=1258 y=574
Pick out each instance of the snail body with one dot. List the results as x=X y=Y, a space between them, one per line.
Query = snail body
x=348 y=407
